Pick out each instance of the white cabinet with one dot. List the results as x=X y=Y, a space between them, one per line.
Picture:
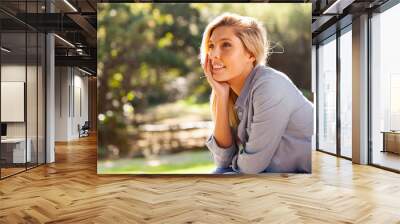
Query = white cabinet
x=18 y=149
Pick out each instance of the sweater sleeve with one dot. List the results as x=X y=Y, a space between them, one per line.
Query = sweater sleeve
x=222 y=156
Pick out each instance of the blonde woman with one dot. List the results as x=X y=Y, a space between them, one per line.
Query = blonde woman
x=262 y=122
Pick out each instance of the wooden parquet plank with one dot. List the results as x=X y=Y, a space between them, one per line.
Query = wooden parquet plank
x=70 y=191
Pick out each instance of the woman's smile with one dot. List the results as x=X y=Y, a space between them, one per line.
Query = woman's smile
x=218 y=67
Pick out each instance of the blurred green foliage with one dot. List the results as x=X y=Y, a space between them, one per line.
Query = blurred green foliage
x=148 y=55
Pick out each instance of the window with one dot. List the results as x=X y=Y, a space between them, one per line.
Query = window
x=346 y=92
x=385 y=88
x=22 y=68
x=327 y=95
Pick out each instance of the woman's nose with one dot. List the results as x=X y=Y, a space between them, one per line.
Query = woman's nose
x=214 y=53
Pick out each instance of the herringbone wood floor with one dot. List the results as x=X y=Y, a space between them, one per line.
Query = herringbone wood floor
x=70 y=191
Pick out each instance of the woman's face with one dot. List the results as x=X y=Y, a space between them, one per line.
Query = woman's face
x=229 y=58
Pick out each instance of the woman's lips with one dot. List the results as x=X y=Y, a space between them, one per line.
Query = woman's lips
x=218 y=69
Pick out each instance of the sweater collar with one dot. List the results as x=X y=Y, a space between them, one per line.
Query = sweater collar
x=244 y=93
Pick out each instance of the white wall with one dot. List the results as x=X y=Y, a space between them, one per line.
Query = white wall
x=71 y=94
x=12 y=73
x=61 y=103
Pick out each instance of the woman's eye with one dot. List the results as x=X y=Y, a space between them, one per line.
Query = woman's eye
x=211 y=46
x=226 y=44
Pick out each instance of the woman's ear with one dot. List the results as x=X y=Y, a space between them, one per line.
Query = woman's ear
x=252 y=58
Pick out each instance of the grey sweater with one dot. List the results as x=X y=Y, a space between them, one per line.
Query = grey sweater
x=275 y=127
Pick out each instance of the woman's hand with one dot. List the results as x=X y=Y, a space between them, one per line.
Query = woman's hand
x=221 y=89
x=222 y=130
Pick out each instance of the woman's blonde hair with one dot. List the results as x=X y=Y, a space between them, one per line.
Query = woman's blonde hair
x=254 y=39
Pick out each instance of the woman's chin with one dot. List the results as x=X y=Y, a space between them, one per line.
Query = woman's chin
x=220 y=78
